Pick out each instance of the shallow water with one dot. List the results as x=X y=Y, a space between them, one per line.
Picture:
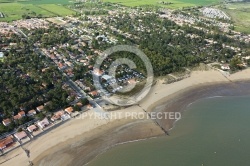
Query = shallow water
x=213 y=132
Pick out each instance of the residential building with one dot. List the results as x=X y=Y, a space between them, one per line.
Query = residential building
x=225 y=67
x=57 y=115
x=17 y=117
x=31 y=113
x=21 y=114
x=20 y=135
x=4 y=143
x=94 y=93
x=43 y=123
x=98 y=72
x=6 y=122
x=32 y=128
x=69 y=110
x=40 y=108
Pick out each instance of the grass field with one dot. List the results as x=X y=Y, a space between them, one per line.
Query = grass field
x=14 y=11
x=37 y=2
x=46 y=8
x=56 y=9
x=176 y=3
x=240 y=13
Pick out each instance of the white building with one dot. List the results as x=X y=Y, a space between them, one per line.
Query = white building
x=1 y=54
x=43 y=123
x=225 y=67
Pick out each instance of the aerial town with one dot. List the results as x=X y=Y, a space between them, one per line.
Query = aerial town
x=68 y=47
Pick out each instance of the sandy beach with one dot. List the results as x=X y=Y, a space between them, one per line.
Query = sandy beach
x=80 y=140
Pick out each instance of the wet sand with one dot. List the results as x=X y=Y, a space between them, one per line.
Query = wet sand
x=81 y=149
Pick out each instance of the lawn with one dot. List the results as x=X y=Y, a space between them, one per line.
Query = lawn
x=39 y=2
x=240 y=13
x=14 y=11
x=176 y=3
x=46 y=8
x=56 y=9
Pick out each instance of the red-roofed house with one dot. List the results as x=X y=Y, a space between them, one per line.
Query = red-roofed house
x=17 y=117
x=69 y=110
x=4 y=143
x=57 y=115
x=22 y=113
x=94 y=93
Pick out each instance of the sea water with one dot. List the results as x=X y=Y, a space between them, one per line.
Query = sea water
x=212 y=132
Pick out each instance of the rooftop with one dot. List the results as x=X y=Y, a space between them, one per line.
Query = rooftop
x=5 y=142
x=32 y=128
x=1 y=54
x=20 y=135
x=69 y=110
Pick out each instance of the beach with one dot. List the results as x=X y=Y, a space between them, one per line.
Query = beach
x=80 y=140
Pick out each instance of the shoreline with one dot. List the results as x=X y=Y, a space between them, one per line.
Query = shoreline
x=210 y=96
x=163 y=102
x=123 y=130
x=191 y=95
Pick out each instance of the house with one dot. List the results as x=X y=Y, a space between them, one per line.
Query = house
x=97 y=72
x=79 y=104
x=4 y=143
x=57 y=115
x=17 y=117
x=94 y=93
x=20 y=135
x=65 y=117
x=225 y=67
x=32 y=128
x=69 y=110
x=40 y=108
x=21 y=114
x=31 y=113
x=6 y=122
x=43 y=123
